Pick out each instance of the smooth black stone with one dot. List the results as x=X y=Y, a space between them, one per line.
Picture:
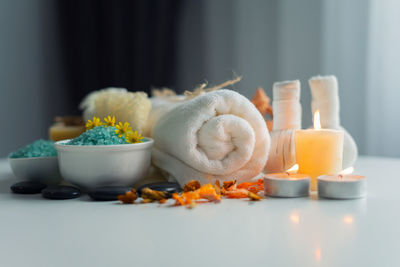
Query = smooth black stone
x=107 y=193
x=60 y=192
x=28 y=187
x=162 y=186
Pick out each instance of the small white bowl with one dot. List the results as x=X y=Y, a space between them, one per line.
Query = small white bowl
x=40 y=169
x=104 y=165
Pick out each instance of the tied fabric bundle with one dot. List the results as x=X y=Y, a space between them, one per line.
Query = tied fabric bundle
x=216 y=135
x=287 y=119
x=325 y=98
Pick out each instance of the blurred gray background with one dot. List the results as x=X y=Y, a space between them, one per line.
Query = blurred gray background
x=263 y=41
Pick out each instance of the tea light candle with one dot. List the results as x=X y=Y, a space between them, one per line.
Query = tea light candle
x=286 y=184
x=342 y=186
x=318 y=151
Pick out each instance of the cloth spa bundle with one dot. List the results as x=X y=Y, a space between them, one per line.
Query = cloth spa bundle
x=287 y=119
x=325 y=98
x=215 y=135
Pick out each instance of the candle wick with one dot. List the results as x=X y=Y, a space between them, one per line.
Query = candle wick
x=288 y=173
x=341 y=176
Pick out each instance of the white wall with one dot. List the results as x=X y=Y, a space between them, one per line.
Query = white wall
x=344 y=53
x=299 y=46
x=29 y=72
x=265 y=41
x=215 y=40
x=268 y=41
x=383 y=87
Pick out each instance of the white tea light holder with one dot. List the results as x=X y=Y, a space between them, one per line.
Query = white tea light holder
x=286 y=185
x=342 y=186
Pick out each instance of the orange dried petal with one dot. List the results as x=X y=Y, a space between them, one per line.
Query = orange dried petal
x=254 y=197
x=152 y=194
x=245 y=185
x=192 y=186
x=228 y=184
x=256 y=188
x=128 y=198
x=208 y=192
x=217 y=187
x=192 y=195
x=232 y=188
x=238 y=193
x=179 y=199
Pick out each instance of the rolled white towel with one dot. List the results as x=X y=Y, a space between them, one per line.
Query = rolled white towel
x=325 y=98
x=217 y=135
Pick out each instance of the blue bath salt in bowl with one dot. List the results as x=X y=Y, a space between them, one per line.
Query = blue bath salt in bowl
x=99 y=135
x=39 y=148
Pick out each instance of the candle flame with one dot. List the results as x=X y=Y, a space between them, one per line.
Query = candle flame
x=347 y=171
x=317 y=121
x=293 y=169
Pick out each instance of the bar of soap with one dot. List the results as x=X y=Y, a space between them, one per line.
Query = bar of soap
x=66 y=128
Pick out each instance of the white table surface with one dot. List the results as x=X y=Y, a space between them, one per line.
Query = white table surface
x=274 y=232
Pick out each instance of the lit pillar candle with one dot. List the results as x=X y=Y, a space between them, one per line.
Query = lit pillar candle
x=319 y=151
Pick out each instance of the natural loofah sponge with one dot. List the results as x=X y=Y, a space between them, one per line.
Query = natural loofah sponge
x=125 y=106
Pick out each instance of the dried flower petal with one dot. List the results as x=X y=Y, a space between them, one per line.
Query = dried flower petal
x=254 y=197
x=189 y=198
x=262 y=102
x=192 y=186
x=179 y=199
x=228 y=184
x=148 y=193
x=245 y=185
x=208 y=192
x=217 y=187
x=129 y=197
x=254 y=187
x=238 y=193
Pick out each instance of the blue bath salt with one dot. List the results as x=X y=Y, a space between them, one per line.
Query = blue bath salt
x=39 y=148
x=99 y=135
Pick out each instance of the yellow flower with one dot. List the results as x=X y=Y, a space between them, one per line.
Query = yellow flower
x=109 y=121
x=122 y=129
x=134 y=137
x=91 y=124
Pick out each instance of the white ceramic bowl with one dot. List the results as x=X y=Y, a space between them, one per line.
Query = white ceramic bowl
x=104 y=165
x=41 y=169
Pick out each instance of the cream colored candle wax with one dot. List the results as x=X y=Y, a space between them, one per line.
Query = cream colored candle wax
x=319 y=151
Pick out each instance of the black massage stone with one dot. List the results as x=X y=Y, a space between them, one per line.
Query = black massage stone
x=27 y=187
x=60 y=192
